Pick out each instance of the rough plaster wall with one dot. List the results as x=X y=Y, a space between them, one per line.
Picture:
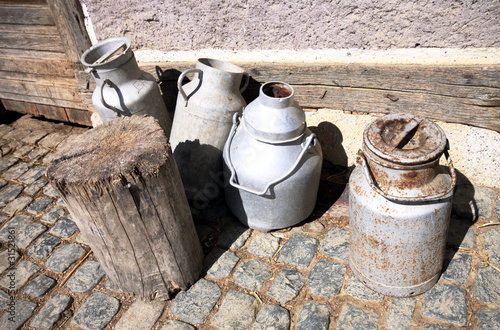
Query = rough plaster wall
x=296 y=25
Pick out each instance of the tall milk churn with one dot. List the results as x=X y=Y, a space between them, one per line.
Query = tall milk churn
x=202 y=121
x=272 y=162
x=122 y=88
x=400 y=202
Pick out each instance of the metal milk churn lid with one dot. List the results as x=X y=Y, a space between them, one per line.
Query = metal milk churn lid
x=400 y=202
x=122 y=88
x=272 y=162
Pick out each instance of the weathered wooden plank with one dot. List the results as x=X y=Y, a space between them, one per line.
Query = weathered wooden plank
x=20 y=106
x=24 y=2
x=39 y=85
x=26 y=14
x=70 y=21
x=43 y=100
x=79 y=116
x=43 y=42
x=29 y=29
x=52 y=112
x=36 y=62
x=460 y=93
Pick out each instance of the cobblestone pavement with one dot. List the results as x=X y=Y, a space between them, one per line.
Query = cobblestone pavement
x=297 y=278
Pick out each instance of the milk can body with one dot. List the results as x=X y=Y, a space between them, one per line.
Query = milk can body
x=272 y=162
x=122 y=88
x=202 y=121
x=400 y=201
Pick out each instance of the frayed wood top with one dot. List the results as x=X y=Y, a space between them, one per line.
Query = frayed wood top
x=125 y=145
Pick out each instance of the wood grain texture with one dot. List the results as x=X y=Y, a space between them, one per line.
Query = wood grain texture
x=36 y=62
x=32 y=14
x=55 y=87
x=459 y=93
x=126 y=197
x=70 y=21
x=43 y=42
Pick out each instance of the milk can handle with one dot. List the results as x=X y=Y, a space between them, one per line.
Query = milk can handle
x=110 y=83
x=245 y=84
x=181 y=78
x=371 y=181
x=232 y=179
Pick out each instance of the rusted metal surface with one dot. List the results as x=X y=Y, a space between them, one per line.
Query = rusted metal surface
x=400 y=207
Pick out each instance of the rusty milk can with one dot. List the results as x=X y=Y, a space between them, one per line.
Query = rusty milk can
x=122 y=88
x=400 y=202
x=272 y=162
x=202 y=121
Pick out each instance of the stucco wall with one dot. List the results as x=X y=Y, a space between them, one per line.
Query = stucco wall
x=168 y=25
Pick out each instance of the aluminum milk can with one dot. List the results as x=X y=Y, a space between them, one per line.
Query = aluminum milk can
x=400 y=201
x=272 y=162
x=202 y=121
x=122 y=88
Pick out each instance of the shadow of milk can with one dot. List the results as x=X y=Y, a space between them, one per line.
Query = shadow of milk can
x=122 y=88
x=202 y=121
x=400 y=201
x=273 y=162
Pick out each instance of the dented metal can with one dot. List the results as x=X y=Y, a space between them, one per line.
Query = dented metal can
x=400 y=201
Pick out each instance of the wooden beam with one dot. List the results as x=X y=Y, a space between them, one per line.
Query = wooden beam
x=25 y=14
x=42 y=100
x=54 y=87
x=69 y=19
x=43 y=42
x=459 y=93
x=36 y=62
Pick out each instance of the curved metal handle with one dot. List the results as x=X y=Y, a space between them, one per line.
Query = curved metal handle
x=371 y=181
x=232 y=180
x=159 y=72
x=110 y=83
x=181 y=78
x=246 y=76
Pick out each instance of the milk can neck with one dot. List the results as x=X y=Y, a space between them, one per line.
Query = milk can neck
x=276 y=95
x=121 y=72
x=224 y=75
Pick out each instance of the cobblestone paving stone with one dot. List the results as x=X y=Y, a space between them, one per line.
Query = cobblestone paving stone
x=401 y=313
x=141 y=315
x=295 y=278
x=299 y=250
x=252 y=274
x=313 y=316
x=63 y=257
x=51 y=312
x=272 y=317
x=325 y=278
x=219 y=263
x=97 y=311
x=236 y=311
x=39 y=286
x=39 y=205
x=86 y=277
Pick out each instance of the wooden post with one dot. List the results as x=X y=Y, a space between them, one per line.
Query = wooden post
x=122 y=186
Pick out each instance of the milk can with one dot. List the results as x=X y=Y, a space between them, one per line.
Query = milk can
x=202 y=121
x=272 y=162
x=400 y=201
x=122 y=88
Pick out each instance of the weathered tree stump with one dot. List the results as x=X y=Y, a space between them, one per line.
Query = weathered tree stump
x=123 y=189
